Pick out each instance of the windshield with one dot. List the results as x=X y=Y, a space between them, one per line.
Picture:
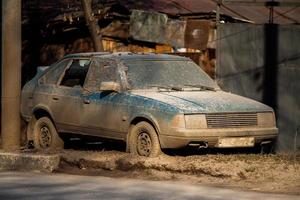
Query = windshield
x=144 y=74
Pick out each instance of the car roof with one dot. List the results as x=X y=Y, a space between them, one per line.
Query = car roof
x=88 y=54
x=128 y=56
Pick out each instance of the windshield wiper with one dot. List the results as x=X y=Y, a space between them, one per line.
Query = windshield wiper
x=167 y=87
x=203 y=87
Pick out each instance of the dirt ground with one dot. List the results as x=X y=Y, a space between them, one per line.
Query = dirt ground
x=265 y=173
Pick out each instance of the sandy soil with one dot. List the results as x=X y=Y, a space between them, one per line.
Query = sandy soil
x=266 y=173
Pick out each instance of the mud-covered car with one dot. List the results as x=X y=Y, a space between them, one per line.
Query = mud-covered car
x=150 y=101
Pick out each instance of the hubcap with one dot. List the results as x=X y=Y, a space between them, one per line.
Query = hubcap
x=144 y=144
x=45 y=137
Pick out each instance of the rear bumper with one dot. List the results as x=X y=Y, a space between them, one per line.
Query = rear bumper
x=184 y=137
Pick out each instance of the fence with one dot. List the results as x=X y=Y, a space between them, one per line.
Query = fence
x=262 y=62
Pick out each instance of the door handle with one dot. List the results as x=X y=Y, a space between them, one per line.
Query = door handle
x=55 y=98
x=86 y=101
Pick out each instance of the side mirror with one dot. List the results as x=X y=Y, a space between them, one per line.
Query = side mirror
x=110 y=86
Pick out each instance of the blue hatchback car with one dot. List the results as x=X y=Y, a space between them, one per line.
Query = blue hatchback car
x=149 y=101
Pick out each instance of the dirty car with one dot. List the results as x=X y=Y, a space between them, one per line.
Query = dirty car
x=150 y=101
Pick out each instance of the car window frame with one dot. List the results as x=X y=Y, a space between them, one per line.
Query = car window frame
x=58 y=83
x=88 y=73
x=50 y=70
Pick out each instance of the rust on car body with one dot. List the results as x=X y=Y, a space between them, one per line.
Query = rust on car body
x=175 y=96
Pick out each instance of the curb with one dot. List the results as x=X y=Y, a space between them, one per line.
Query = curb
x=29 y=162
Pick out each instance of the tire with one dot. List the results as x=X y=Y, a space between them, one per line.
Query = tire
x=45 y=136
x=143 y=140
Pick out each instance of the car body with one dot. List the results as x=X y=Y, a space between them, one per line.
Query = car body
x=106 y=94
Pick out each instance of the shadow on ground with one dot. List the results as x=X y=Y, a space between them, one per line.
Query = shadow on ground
x=96 y=144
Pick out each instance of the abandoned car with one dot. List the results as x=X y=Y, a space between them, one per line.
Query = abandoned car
x=150 y=101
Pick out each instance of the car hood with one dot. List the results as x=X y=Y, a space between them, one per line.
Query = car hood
x=205 y=101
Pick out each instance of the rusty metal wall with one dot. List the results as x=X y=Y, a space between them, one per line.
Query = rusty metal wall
x=158 y=28
x=263 y=62
x=196 y=33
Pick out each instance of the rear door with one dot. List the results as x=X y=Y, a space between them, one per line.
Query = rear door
x=42 y=96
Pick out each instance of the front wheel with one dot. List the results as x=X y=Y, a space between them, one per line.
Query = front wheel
x=45 y=136
x=143 y=140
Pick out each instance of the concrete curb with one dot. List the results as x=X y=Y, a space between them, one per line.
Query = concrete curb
x=29 y=162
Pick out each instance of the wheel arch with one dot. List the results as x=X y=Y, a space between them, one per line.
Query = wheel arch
x=148 y=119
x=42 y=111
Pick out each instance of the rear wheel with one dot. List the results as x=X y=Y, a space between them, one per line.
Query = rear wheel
x=143 y=140
x=45 y=136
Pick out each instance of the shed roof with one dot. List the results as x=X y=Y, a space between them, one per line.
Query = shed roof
x=257 y=14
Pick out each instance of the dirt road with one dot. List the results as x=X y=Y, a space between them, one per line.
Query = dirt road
x=25 y=185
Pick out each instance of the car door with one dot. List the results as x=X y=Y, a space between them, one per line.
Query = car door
x=42 y=96
x=67 y=96
x=102 y=112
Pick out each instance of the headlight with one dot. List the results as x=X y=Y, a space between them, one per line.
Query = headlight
x=195 y=121
x=266 y=119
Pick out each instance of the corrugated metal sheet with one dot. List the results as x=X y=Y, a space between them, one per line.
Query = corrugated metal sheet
x=174 y=33
x=156 y=27
x=148 y=26
x=266 y=69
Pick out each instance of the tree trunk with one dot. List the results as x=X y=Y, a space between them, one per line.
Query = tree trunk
x=92 y=24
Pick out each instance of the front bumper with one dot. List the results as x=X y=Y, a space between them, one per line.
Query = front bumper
x=183 y=137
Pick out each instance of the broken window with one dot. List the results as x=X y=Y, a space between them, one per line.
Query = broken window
x=76 y=73
x=52 y=76
x=101 y=70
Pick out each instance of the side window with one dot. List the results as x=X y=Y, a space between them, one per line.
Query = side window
x=52 y=76
x=101 y=70
x=76 y=73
